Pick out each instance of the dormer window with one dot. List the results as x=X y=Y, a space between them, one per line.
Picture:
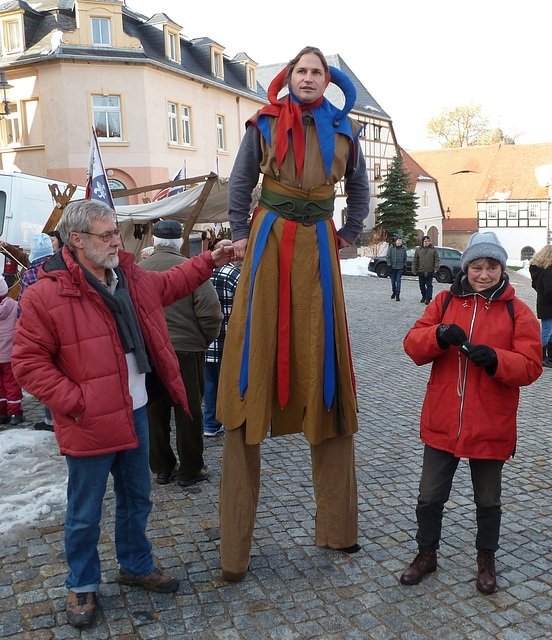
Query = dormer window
x=12 y=35
x=101 y=32
x=217 y=63
x=172 y=42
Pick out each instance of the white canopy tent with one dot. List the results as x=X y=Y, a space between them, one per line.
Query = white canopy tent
x=180 y=206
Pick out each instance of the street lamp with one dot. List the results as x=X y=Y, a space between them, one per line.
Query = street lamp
x=4 y=86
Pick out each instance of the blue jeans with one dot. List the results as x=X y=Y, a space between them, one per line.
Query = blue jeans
x=438 y=472
x=546 y=331
x=212 y=373
x=396 y=275
x=426 y=286
x=85 y=493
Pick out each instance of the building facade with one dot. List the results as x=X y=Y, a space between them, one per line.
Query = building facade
x=503 y=188
x=157 y=100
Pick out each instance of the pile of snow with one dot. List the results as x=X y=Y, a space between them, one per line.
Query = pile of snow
x=33 y=477
x=356 y=267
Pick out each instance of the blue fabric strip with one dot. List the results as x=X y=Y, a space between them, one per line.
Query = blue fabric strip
x=327 y=296
x=258 y=249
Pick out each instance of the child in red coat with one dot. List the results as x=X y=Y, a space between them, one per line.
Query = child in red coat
x=10 y=391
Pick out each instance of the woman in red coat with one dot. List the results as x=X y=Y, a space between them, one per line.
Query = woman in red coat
x=483 y=343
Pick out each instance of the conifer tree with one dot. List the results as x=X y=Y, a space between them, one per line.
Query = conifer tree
x=397 y=211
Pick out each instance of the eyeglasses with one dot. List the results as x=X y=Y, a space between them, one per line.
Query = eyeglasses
x=107 y=236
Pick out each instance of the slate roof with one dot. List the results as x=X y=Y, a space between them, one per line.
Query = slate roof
x=48 y=20
x=467 y=175
x=365 y=103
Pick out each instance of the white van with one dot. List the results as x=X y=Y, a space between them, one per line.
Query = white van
x=26 y=203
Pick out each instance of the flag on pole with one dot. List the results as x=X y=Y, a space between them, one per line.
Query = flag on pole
x=171 y=191
x=97 y=186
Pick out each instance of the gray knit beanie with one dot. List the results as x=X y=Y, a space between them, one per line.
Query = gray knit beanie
x=484 y=245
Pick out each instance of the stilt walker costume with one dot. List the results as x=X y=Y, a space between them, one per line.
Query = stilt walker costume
x=286 y=365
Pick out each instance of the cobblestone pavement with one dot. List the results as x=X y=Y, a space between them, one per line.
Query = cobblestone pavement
x=294 y=589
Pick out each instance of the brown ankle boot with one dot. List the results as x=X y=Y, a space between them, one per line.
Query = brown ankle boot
x=486 y=572
x=425 y=562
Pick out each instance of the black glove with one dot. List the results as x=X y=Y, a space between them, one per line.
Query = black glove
x=483 y=356
x=448 y=334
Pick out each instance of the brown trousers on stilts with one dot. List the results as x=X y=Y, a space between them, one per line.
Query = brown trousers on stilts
x=335 y=491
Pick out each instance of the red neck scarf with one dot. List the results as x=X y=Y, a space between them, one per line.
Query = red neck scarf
x=290 y=118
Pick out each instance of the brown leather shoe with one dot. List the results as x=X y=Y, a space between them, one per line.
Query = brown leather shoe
x=425 y=562
x=231 y=576
x=81 y=609
x=158 y=581
x=486 y=572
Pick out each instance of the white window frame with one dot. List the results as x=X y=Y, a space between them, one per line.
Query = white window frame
x=377 y=132
x=513 y=210
x=492 y=210
x=172 y=114
x=113 y=114
x=97 y=29
x=221 y=136
x=251 y=78
x=186 y=125
x=425 y=199
x=9 y=45
x=10 y=127
x=171 y=47
x=534 y=209
x=217 y=63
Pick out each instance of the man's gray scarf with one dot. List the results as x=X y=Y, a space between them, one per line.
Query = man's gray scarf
x=122 y=309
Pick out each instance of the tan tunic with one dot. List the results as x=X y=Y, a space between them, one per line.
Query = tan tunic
x=305 y=411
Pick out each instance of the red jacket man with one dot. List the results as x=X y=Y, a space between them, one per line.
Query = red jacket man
x=92 y=330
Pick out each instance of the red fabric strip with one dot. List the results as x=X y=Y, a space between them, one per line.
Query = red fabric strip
x=284 y=308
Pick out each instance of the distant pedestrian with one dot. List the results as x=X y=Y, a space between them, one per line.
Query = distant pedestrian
x=483 y=344
x=424 y=265
x=541 y=279
x=225 y=281
x=396 y=262
x=10 y=392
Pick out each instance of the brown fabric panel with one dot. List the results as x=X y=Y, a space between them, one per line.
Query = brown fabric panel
x=306 y=410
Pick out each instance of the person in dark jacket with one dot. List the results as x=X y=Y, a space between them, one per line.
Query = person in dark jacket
x=396 y=261
x=541 y=280
x=193 y=322
x=91 y=329
x=483 y=345
x=424 y=265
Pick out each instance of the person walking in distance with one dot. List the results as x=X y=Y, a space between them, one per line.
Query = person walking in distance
x=424 y=265
x=396 y=262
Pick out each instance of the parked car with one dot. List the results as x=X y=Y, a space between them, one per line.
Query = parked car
x=449 y=265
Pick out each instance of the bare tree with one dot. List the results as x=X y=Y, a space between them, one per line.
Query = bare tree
x=460 y=127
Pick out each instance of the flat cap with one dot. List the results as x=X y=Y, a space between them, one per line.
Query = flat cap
x=167 y=229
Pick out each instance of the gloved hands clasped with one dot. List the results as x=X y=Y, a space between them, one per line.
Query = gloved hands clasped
x=480 y=354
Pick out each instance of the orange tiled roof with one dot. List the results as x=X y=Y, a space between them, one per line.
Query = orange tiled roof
x=468 y=174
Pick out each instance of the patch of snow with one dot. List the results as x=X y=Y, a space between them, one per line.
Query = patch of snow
x=500 y=196
x=356 y=267
x=33 y=477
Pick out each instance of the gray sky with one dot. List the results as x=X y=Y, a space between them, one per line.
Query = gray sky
x=415 y=58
